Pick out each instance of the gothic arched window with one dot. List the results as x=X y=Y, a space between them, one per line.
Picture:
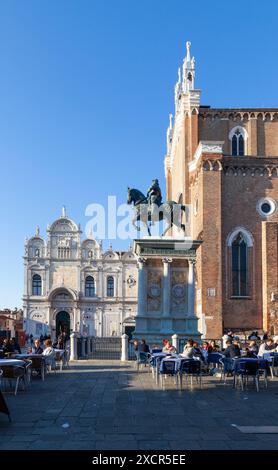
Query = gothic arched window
x=90 y=290
x=36 y=285
x=110 y=286
x=238 y=138
x=239 y=266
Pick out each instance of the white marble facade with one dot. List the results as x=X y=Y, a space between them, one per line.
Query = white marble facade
x=74 y=283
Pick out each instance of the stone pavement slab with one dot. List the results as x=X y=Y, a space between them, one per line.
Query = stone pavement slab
x=99 y=405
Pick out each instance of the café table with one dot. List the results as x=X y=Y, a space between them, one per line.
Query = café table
x=12 y=362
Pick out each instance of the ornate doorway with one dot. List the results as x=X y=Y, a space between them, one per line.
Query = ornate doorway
x=62 y=323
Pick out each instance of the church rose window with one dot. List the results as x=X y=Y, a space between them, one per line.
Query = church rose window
x=90 y=287
x=36 y=285
x=266 y=207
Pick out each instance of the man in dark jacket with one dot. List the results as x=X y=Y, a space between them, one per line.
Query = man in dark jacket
x=143 y=347
x=232 y=350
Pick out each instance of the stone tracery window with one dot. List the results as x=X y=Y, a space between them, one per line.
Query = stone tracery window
x=238 y=138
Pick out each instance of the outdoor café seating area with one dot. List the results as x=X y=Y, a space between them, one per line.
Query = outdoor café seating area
x=240 y=372
x=20 y=371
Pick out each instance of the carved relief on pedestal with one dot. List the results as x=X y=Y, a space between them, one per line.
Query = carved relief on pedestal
x=154 y=291
x=178 y=291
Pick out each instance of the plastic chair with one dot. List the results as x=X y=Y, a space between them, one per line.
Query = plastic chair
x=16 y=373
x=191 y=368
x=273 y=365
x=227 y=364
x=246 y=369
x=38 y=365
x=214 y=358
x=143 y=358
x=59 y=360
x=168 y=368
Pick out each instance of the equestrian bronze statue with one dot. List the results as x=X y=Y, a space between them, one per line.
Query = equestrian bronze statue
x=150 y=208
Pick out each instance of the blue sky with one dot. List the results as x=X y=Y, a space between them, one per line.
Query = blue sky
x=85 y=92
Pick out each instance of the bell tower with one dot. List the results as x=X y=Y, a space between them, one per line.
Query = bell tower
x=182 y=133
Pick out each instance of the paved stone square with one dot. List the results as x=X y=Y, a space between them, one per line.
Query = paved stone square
x=108 y=405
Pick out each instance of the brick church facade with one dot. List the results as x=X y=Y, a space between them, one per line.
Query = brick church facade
x=224 y=164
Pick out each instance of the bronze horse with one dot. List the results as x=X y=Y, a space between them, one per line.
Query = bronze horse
x=170 y=211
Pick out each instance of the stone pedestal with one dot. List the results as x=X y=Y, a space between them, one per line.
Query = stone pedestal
x=166 y=289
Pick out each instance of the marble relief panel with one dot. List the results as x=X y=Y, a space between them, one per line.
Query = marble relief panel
x=179 y=291
x=154 y=288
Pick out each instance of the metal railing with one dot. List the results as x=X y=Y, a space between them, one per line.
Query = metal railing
x=99 y=348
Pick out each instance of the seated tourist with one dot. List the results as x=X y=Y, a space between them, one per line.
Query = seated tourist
x=37 y=349
x=266 y=347
x=214 y=346
x=249 y=353
x=188 y=350
x=206 y=347
x=16 y=346
x=7 y=346
x=49 y=352
x=253 y=347
x=167 y=347
x=232 y=349
x=143 y=347
x=197 y=352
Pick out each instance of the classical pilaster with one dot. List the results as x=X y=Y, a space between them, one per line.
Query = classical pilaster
x=166 y=286
x=142 y=291
x=191 y=288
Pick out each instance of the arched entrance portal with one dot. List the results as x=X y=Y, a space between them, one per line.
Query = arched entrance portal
x=129 y=326
x=62 y=323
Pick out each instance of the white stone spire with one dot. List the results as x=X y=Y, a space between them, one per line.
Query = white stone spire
x=169 y=133
x=64 y=212
x=188 y=45
x=188 y=70
x=37 y=231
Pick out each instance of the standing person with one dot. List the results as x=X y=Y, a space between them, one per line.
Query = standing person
x=143 y=347
x=31 y=338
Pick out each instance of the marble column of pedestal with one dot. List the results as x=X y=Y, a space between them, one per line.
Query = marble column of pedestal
x=191 y=288
x=166 y=321
x=192 y=321
x=142 y=294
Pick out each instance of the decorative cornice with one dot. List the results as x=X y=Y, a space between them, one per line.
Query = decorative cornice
x=205 y=147
x=236 y=166
x=240 y=114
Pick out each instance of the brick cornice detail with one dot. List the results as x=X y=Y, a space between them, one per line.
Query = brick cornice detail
x=236 y=166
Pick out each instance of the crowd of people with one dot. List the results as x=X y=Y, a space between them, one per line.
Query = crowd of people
x=42 y=345
x=231 y=348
